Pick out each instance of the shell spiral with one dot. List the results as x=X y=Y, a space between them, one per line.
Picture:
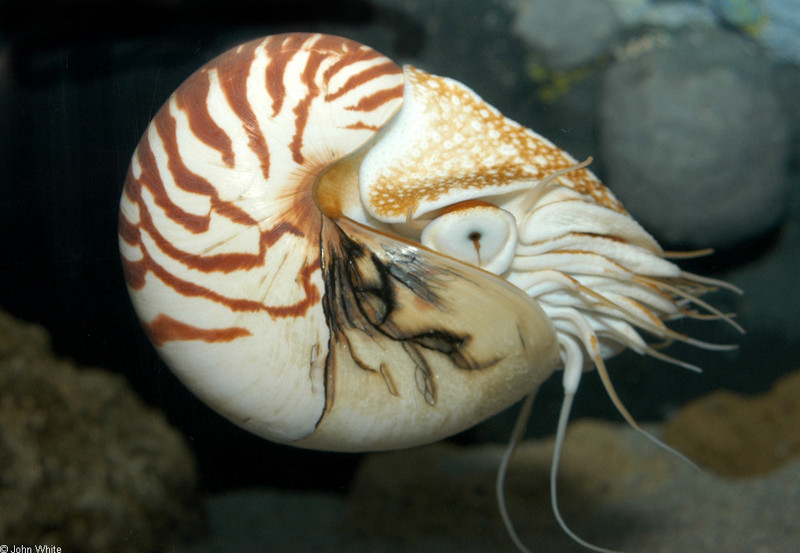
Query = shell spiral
x=273 y=298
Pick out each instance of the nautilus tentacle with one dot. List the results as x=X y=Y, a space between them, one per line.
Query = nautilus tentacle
x=338 y=253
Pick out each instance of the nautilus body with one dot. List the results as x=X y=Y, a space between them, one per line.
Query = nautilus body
x=339 y=253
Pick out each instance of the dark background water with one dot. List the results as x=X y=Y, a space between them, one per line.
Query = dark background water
x=79 y=82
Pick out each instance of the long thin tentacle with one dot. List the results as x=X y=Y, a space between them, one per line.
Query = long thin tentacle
x=572 y=354
x=500 y=483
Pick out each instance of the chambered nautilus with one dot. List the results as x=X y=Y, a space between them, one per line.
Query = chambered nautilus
x=338 y=253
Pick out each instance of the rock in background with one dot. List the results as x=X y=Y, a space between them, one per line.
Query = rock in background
x=695 y=125
x=695 y=140
x=84 y=465
x=741 y=436
x=542 y=24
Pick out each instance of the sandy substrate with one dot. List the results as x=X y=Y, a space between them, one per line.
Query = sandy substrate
x=616 y=489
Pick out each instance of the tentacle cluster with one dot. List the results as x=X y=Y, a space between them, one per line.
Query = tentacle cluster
x=603 y=281
x=601 y=278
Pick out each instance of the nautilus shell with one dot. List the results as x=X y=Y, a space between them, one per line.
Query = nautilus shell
x=338 y=253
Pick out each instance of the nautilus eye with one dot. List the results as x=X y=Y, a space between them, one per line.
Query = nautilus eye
x=476 y=232
x=309 y=234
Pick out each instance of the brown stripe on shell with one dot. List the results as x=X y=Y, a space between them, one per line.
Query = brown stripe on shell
x=360 y=125
x=222 y=262
x=187 y=180
x=184 y=178
x=151 y=178
x=192 y=99
x=378 y=99
x=233 y=71
x=280 y=51
x=359 y=79
x=136 y=272
x=301 y=110
x=355 y=53
x=350 y=52
x=165 y=329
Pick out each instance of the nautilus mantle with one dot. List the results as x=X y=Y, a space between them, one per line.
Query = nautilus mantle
x=339 y=253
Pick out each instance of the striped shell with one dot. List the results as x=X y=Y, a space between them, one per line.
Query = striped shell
x=341 y=254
